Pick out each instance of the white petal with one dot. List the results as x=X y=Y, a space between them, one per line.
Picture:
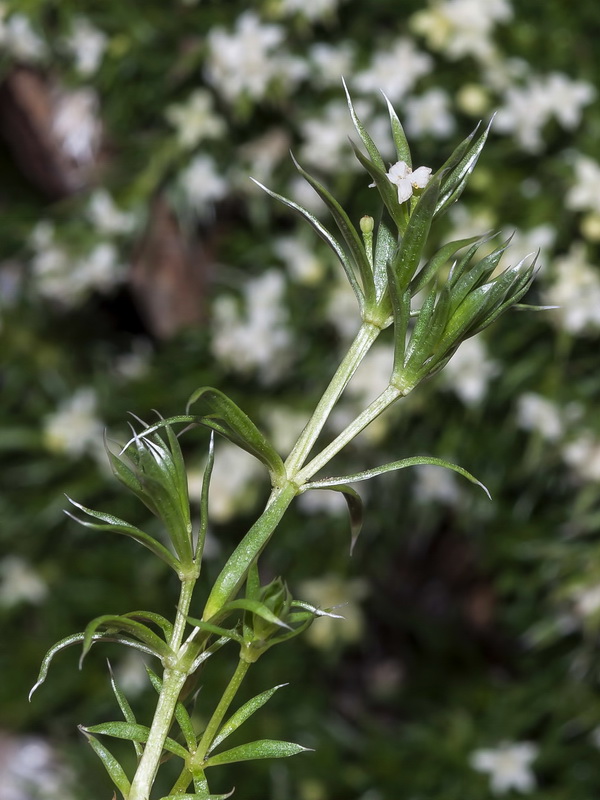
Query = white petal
x=398 y=171
x=420 y=177
x=405 y=190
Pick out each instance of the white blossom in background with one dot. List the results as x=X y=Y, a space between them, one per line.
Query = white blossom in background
x=302 y=193
x=285 y=426
x=528 y=243
x=436 y=484
x=130 y=673
x=100 y=269
x=538 y=414
x=469 y=371
x=202 y=184
x=344 y=598
x=314 y=10
x=18 y=38
x=526 y=109
x=467 y=222
x=508 y=766
x=342 y=308
x=301 y=261
x=262 y=155
x=584 y=194
x=87 y=44
x=246 y=62
x=429 y=114
x=75 y=429
x=325 y=138
x=20 y=583
x=255 y=339
x=135 y=364
x=195 y=119
x=574 y=286
x=235 y=478
x=373 y=374
x=586 y=601
x=329 y=63
x=76 y=124
x=31 y=769
x=461 y=28
x=107 y=217
x=394 y=71
x=582 y=454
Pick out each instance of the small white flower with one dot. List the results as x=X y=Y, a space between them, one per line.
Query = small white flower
x=202 y=184
x=407 y=180
x=583 y=456
x=584 y=194
x=429 y=114
x=76 y=124
x=195 y=119
x=537 y=413
x=508 y=765
x=329 y=63
x=74 y=428
x=107 y=216
x=469 y=371
x=87 y=45
x=395 y=71
x=20 y=583
x=19 y=38
x=575 y=289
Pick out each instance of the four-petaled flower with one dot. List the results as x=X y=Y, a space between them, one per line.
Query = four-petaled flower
x=408 y=180
x=508 y=765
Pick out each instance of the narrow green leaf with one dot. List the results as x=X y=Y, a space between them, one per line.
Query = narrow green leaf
x=116 y=525
x=409 y=254
x=134 y=733
x=400 y=140
x=387 y=192
x=434 y=264
x=115 y=623
x=237 y=427
x=77 y=638
x=475 y=277
x=230 y=633
x=157 y=619
x=415 y=461
x=421 y=327
x=327 y=237
x=401 y=310
x=263 y=748
x=458 y=168
x=360 y=129
x=111 y=765
x=355 y=508
x=242 y=714
x=200 y=796
x=348 y=231
x=233 y=574
x=254 y=607
x=385 y=248
x=204 y=499
x=126 y=709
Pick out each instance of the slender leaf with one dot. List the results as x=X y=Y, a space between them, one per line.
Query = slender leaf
x=242 y=714
x=183 y=796
x=115 y=624
x=327 y=237
x=254 y=607
x=116 y=525
x=126 y=709
x=237 y=427
x=76 y=638
x=406 y=262
x=401 y=311
x=415 y=461
x=385 y=248
x=360 y=129
x=157 y=619
x=400 y=140
x=348 y=231
x=386 y=190
x=459 y=166
x=111 y=765
x=216 y=629
x=437 y=262
x=204 y=499
x=263 y=748
x=134 y=733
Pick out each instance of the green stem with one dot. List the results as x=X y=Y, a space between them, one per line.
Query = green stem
x=173 y=681
x=219 y=713
x=378 y=405
x=358 y=349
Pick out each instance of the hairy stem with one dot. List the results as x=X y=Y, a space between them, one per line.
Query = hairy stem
x=378 y=405
x=358 y=349
x=217 y=718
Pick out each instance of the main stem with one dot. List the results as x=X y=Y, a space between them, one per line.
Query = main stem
x=172 y=684
x=358 y=349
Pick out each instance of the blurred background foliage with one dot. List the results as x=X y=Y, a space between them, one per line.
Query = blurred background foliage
x=138 y=261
